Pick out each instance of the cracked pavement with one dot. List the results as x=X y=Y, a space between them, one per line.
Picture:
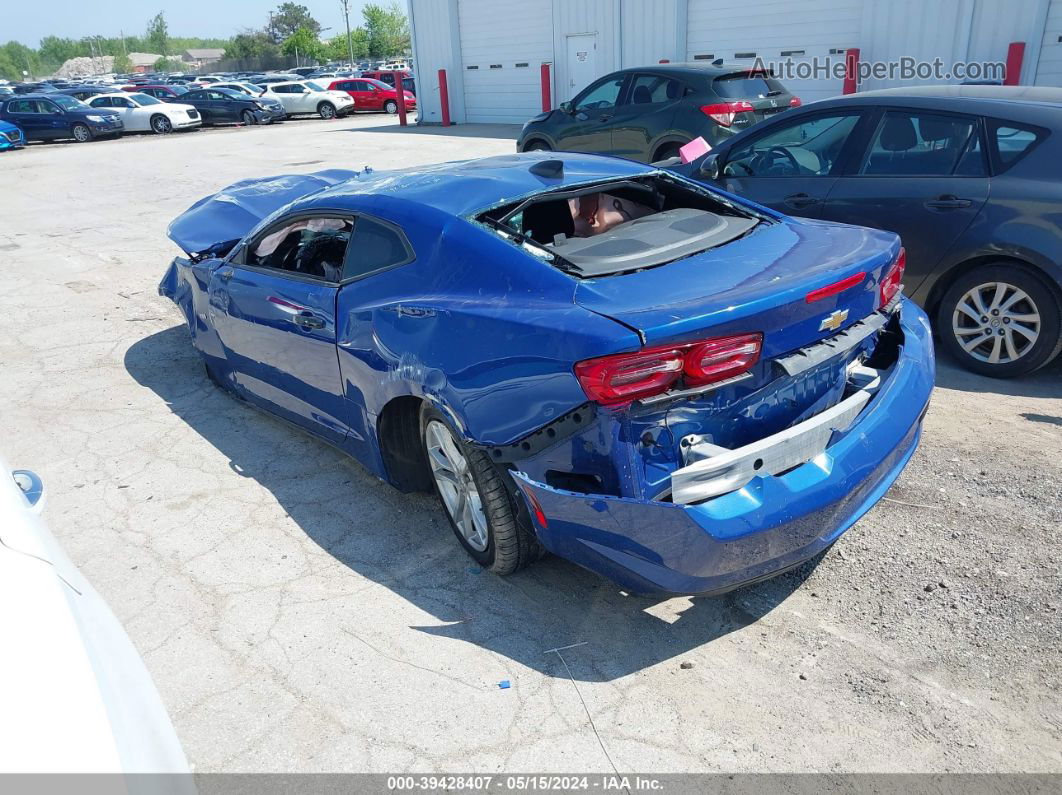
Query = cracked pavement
x=299 y=615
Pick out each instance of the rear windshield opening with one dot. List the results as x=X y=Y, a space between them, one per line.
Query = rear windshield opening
x=621 y=226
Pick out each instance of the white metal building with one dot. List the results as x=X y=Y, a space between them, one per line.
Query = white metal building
x=492 y=50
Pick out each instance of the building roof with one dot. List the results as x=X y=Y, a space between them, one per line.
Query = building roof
x=206 y=53
x=143 y=58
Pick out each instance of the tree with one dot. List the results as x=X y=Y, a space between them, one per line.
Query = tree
x=158 y=35
x=251 y=44
x=386 y=29
x=16 y=57
x=286 y=21
x=169 y=65
x=305 y=44
x=337 y=49
x=122 y=65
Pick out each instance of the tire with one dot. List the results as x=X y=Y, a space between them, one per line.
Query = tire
x=326 y=110
x=160 y=125
x=391 y=107
x=538 y=146
x=497 y=533
x=247 y=118
x=81 y=133
x=1018 y=327
x=666 y=152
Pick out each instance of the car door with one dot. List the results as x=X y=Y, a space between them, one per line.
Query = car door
x=644 y=114
x=791 y=165
x=24 y=113
x=588 y=128
x=133 y=116
x=360 y=91
x=224 y=107
x=924 y=175
x=197 y=100
x=273 y=308
x=54 y=120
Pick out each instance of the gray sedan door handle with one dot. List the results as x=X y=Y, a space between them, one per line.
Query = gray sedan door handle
x=801 y=200
x=948 y=202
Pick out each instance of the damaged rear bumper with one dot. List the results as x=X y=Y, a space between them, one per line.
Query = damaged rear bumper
x=770 y=524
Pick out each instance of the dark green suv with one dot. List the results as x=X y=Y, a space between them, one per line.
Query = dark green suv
x=647 y=113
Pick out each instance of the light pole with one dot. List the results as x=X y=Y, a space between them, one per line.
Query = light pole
x=350 y=41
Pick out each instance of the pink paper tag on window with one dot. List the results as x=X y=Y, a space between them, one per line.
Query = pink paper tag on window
x=698 y=147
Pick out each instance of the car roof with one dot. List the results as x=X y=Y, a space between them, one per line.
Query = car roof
x=38 y=95
x=464 y=187
x=973 y=99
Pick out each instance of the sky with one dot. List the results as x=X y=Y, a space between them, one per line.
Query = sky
x=73 y=19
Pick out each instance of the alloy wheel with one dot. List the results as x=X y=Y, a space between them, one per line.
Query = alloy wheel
x=81 y=133
x=996 y=322
x=161 y=125
x=458 y=490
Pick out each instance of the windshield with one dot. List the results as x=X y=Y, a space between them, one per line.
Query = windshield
x=254 y=89
x=68 y=103
x=314 y=86
x=145 y=99
x=178 y=89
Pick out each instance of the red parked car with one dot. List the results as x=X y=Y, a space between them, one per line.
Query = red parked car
x=372 y=94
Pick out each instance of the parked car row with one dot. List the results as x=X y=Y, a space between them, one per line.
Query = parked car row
x=968 y=176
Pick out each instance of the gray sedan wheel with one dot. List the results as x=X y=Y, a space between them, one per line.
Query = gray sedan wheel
x=326 y=110
x=1000 y=321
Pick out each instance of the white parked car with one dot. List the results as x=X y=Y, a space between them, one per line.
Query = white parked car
x=143 y=113
x=306 y=96
x=76 y=695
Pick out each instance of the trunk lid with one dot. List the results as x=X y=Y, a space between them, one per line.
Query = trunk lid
x=759 y=282
x=234 y=211
x=764 y=93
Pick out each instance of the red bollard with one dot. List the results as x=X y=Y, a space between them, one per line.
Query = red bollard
x=1015 y=55
x=400 y=90
x=547 y=101
x=444 y=98
x=851 y=67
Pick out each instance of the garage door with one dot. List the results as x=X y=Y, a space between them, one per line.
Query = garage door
x=502 y=47
x=739 y=31
x=1049 y=69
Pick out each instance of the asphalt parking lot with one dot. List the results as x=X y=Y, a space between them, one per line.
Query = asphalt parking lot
x=298 y=615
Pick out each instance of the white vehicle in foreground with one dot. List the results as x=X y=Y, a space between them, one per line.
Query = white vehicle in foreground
x=144 y=113
x=76 y=695
x=306 y=96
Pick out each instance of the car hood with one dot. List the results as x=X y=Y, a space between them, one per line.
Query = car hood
x=180 y=106
x=234 y=211
x=7 y=126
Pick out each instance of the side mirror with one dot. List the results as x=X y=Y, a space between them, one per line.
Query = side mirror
x=710 y=166
x=567 y=107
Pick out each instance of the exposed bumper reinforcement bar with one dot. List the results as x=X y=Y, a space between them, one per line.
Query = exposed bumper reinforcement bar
x=716 y=470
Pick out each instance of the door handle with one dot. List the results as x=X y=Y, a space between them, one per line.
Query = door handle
x=308 y=320
x=947 y=202
x=801 y=200
x=605 y=118
x=225 y=274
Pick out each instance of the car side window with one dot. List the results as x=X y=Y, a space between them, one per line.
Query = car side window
x=653 y=89
x=1011 y=141
x=101 y=102
x=601 y=95
x=314 y=247
x=375 y=246
x=920 y=145
x=809 y=147
x=43 y=106
x=22 y=106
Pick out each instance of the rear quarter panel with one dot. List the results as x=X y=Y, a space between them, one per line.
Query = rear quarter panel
x=473 y=325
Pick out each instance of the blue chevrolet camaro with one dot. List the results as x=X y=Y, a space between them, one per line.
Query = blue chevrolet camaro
x=662 y=382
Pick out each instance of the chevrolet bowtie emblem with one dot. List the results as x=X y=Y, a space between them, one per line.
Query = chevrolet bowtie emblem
x=833 y=321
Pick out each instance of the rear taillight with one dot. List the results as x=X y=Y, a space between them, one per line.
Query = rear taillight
x=892 y=281
x=625 y=377
x=723 y=113
x=718 y=359
x=795 y=102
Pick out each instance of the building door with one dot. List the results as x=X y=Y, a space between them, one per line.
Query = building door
x=582 y=63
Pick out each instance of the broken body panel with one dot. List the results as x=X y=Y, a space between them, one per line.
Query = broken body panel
x=486 y=329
